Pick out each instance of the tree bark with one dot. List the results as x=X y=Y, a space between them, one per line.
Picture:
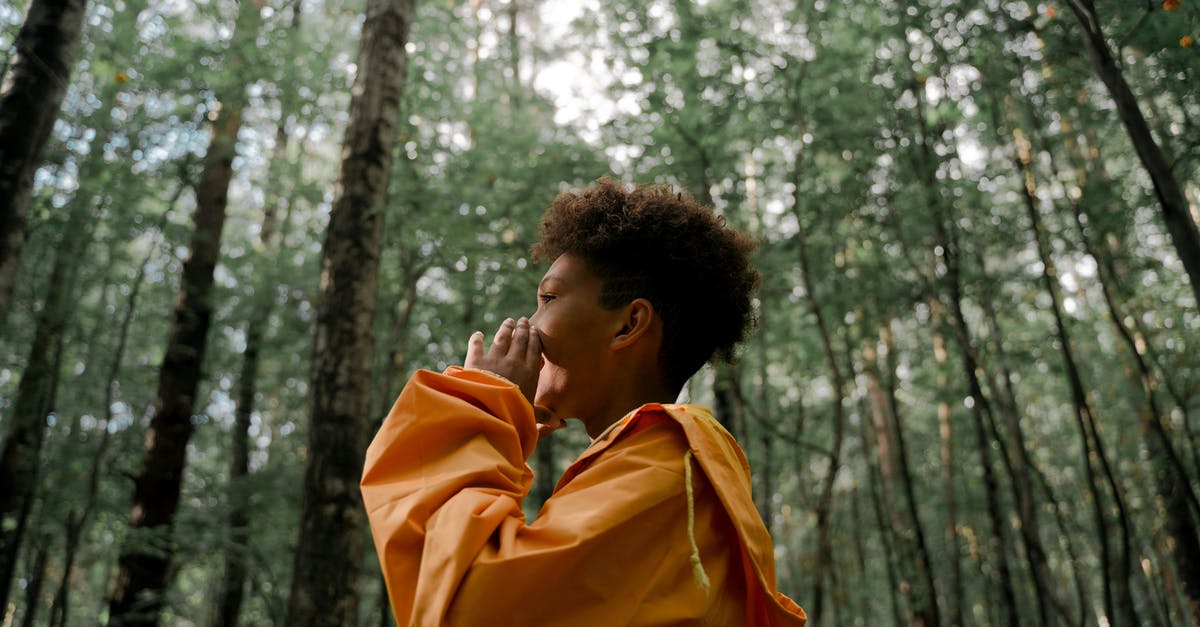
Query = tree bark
x=877 y=487
x=948 y=241
x=1182 y=229
x=30 y=98
x=325 y=588
x=229 y=599
x=35 y=580
x=36 y=392
x=1020 y=467
x=138 y=597
x=921 y=547
x=824 y=564
x=916 y=579
x=233 y=582
x=979 y=405
x=945 y=432
x=766 y=436
x=924 y=597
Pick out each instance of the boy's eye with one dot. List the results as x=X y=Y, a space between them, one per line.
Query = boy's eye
x=545 y=298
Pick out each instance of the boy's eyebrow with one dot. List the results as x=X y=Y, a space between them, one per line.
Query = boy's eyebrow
x=550 y=278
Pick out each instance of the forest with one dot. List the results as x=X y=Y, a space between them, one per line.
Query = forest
x=230 y=231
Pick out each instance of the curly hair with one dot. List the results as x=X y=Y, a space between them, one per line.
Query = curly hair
x=651 y=242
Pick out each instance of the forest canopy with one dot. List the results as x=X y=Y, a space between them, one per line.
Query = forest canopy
x=230 y=231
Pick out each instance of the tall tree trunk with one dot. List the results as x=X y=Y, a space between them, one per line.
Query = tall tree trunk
x=997 y=544
x=1171 y=200
x=1020 y=467
x=947 y=239
x=954 y=593
x=924 y=560
x=1109 y=252
x=23 y=443
x=325 y=588
x=142 y=575
x=920 y=547
x=915 y=579
x=728 y=401
x=1066 y=534
x=1178 y=501
x=36 y=392
x=980 y=406
x=30 y=97
x=514 y=50
x=877 y=488
x=728 y=406
x=35 y=580
x=1117 y=565
x=233 y=582
x=766 y=436
x=229 y=599
x=824 y=564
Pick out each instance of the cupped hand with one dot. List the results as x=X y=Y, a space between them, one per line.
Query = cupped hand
x=516 y=355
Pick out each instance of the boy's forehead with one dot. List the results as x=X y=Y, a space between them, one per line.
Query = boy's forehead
x=570 y=269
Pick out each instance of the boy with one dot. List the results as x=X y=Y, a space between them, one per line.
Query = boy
x=654 y=523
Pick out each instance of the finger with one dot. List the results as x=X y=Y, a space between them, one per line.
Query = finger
x=503 y=338
x=543 y=414
x=547 y=423
x=533 y=352
x=520 y=339
x=474 y=349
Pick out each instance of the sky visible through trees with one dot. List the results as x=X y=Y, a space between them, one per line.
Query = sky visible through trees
x=229 y=232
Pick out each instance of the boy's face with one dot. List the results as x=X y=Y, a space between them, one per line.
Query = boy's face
x=576 y=332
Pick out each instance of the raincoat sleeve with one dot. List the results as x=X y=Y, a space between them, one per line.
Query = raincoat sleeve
x=443 y=485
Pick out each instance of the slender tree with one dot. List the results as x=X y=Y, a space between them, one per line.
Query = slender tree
x=947 y=248
x=954 y=585
x=232 y=587
x=1116 y=561
x=824 y=564
x=898 y=584
x=137 y=598
x=36 y=392
x=325 y=586
x=1177 y=499
x=30 y=97
x=1174 y=206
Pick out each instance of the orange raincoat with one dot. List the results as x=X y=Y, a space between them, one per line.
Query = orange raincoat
x=652 y=525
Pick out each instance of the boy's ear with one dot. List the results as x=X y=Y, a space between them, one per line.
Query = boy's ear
x=637 y=320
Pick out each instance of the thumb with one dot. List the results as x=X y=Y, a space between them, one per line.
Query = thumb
x=474 y=349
